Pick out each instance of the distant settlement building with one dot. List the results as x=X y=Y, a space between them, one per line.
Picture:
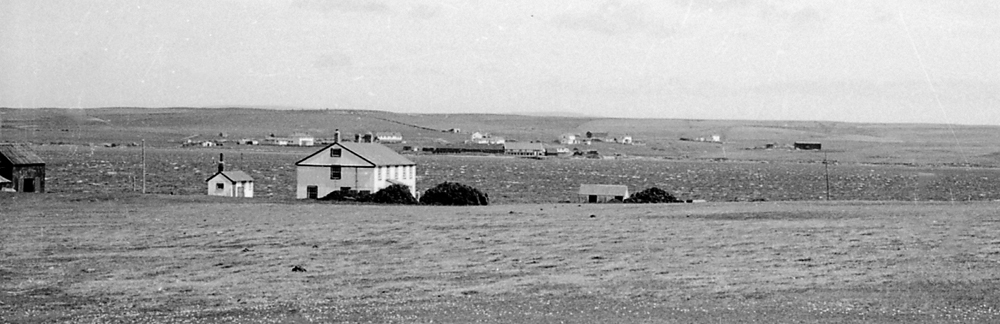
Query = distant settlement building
x=388 y=137
x=347 y=166
x=808 y=146
x=230 y=183
x=523 y=149
x=24 y=170
x=597 y=193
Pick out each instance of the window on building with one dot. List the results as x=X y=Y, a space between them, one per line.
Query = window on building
x=378 y=173
x=335 y=172
x=335 y=152
x=220 y=186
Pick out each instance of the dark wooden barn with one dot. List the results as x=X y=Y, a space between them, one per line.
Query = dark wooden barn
x=22 y=167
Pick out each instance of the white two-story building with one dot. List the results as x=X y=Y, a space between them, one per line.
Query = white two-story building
x=349 y=166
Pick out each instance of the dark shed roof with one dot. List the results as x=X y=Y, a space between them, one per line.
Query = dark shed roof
x=19 y=154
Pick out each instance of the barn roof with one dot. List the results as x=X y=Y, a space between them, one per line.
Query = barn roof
x=374 y=153
x=523 y=146
x=233 y=176
x=603 y=190
x=19 y=154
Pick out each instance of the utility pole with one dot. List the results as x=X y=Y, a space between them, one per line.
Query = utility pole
x=143 y=166
x=826 y=169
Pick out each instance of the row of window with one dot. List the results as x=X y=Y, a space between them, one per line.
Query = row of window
x=393 y=172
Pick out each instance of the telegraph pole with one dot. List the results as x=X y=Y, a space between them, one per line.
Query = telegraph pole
x=143 y=166
x=826 y=169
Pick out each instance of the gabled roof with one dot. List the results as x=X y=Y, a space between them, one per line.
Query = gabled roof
x=603 y=190
x=388 y=134
x=4 y=180
x=19 y=154
x=233 y=176
x=374 y=153
x=523 y=146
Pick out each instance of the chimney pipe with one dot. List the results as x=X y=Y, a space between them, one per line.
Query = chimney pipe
x=222 y=165
x=336 y=136
x=357 y=137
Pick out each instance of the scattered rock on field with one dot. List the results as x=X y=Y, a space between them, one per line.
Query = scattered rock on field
x=298 y=269
x=593 y=216
x=245 y=250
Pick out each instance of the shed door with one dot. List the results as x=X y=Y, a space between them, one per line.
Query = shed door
x=29 y=185
x=592 y=198
x=312 y=192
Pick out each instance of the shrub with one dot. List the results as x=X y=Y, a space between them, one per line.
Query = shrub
x=393 y=194
x=652 y=195
x=454 y=194
x=349 y=195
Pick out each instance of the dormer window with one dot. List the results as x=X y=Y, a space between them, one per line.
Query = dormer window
x=335 y=152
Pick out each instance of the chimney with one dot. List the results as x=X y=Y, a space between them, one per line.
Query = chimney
x=357 y=137
x=222 y=165
x=336 y=136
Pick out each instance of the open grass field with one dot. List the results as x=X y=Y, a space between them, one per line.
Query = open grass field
x=125 y=258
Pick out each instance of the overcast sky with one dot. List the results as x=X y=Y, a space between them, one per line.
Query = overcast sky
x=935 y=61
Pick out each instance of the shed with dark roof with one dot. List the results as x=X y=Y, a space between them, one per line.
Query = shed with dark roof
x=595 y=193
x=22 y=168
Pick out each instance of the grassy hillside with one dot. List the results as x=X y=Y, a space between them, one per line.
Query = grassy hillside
x=903 y=144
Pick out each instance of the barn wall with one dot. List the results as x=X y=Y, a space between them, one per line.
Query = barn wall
x=21 y=173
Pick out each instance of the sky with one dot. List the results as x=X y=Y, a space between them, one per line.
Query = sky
x=882 y=61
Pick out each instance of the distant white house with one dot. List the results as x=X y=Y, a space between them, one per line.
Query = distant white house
x=388 y=137
x=302 y=139
x=348 y=166
x=280 y=141
x=485 y=138
x=230 y=183
x=569 y=139
x=523 y=149
x=627 y=140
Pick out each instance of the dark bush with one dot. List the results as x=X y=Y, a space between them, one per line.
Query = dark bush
x=454 y=194
x=394 y=194
x=652 y=195
x=347 y=195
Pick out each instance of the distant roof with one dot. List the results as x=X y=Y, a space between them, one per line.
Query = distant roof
x=19 y=154
x=603 y=190
x=374 y=153
x=233 y=176
x=4 y=180
x=522 y=146
x=388 y=134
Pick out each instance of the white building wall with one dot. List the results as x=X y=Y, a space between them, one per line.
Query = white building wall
x=319 y=176
x=227 y=188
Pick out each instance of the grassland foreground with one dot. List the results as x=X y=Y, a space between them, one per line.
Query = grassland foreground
x=158 y=258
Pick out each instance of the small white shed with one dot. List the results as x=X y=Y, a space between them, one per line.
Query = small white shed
x=230 y=184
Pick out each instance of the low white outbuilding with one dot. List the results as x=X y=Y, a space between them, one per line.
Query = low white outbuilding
x=230 y=183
